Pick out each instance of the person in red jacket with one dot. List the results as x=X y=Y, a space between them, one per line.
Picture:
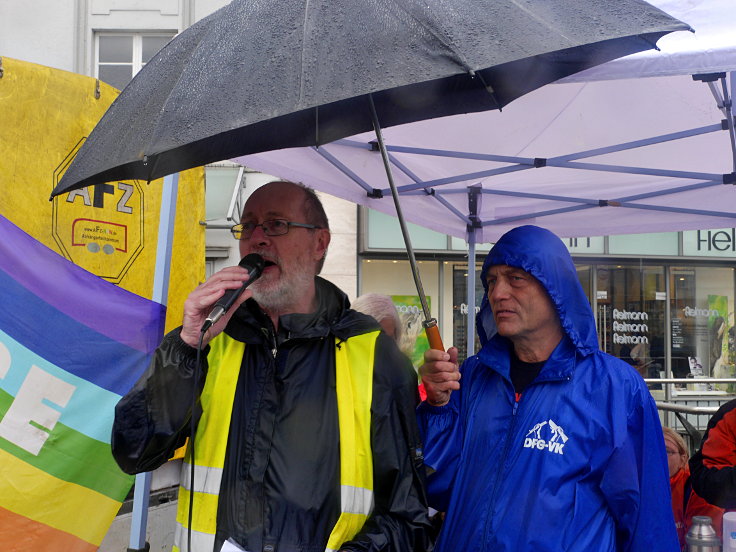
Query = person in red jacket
x=713 y=467
x=685 y=502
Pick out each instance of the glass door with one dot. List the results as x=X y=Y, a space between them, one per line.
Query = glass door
x=702 y=323
x=631 y=304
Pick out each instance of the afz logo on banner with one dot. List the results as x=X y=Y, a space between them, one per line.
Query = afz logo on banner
x=547 y=436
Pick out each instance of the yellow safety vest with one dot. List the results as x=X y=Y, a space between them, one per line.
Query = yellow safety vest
x=354 y=380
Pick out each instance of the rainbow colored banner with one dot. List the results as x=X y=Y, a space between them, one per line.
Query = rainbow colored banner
x=71 y=344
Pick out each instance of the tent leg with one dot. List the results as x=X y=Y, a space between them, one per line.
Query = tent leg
x=160 y=293
x=471 y=294
x=732 y=114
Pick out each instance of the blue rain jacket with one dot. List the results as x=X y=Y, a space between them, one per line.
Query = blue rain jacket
x=577 y=463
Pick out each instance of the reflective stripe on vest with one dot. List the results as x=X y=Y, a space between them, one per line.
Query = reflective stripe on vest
x=354 y=382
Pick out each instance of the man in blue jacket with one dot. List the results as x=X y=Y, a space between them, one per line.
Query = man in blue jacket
x=547 y=443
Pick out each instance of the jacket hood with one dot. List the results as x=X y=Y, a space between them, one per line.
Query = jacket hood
x=543 y=255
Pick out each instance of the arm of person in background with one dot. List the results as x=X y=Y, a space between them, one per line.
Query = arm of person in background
x=399 y=520
x=636 y=479
x=713 y=467
x=153 y=419
x=439 y=423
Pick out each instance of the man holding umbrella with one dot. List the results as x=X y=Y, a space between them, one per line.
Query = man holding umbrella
x=305 y=432
x=546 y=443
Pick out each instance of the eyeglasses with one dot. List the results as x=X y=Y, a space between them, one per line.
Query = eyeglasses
x=275 y=227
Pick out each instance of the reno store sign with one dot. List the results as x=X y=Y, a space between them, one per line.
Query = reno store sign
x=709 y=243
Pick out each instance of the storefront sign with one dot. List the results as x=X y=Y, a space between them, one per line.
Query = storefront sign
x=709 y=243
x=694 y=312
x=585 y=245
x=632 y=325
x=464 y=309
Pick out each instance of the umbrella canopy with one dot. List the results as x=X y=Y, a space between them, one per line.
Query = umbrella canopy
x=632 y=146
x=258 y=76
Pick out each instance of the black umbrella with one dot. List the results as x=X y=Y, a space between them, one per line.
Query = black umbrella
x=257 y=76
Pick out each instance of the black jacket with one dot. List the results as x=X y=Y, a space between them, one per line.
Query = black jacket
x=281 y=480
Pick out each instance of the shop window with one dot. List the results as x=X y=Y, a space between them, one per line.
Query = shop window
x=631 y=306
x=702 y=325
x=585 y=277
x=458 y=244
x=222 y=182
x=394 y=278
x=384 y=232
x=119 y=56
x=460 y=307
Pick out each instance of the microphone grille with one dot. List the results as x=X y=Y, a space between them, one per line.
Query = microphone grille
x=253 y=263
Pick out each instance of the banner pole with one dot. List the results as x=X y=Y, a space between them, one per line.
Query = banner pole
x=167 y=214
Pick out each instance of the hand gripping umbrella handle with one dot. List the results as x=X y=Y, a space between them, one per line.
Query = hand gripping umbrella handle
x=433 y=334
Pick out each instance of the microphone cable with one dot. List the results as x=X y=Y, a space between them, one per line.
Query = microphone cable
x=197 y=370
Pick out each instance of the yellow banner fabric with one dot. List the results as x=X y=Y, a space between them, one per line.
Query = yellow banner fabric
x=109 y=229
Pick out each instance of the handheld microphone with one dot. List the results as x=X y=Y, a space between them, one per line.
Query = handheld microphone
x=253 y=263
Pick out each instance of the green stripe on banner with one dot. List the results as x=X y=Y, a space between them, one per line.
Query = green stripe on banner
x=73 y=457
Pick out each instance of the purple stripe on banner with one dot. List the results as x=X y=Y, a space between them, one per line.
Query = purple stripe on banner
x=126 y=318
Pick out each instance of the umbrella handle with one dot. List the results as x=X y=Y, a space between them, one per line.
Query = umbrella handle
x=433 y=334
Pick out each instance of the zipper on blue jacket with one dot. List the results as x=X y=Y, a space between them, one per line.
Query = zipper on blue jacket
x=506 y=447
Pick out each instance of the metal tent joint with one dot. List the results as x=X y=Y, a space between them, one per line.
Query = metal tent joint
x=540 y=162
x=729 y=178
x=708 y=77
x=475 y=223
x=474 y=194
x=608 y=203
x=375 y=193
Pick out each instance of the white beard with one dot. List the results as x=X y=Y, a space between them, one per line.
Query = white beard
x=281 y=295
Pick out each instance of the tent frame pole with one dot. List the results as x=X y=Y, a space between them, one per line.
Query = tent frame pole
x=474 y=199
x=470 y=345
x=731 y=114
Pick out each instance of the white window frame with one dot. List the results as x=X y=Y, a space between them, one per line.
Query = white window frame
x=137 y=61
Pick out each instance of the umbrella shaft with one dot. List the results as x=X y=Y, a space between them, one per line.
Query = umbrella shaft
x=399 y=213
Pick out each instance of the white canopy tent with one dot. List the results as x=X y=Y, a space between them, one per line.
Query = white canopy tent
x=632 y=146
x=565 y=156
